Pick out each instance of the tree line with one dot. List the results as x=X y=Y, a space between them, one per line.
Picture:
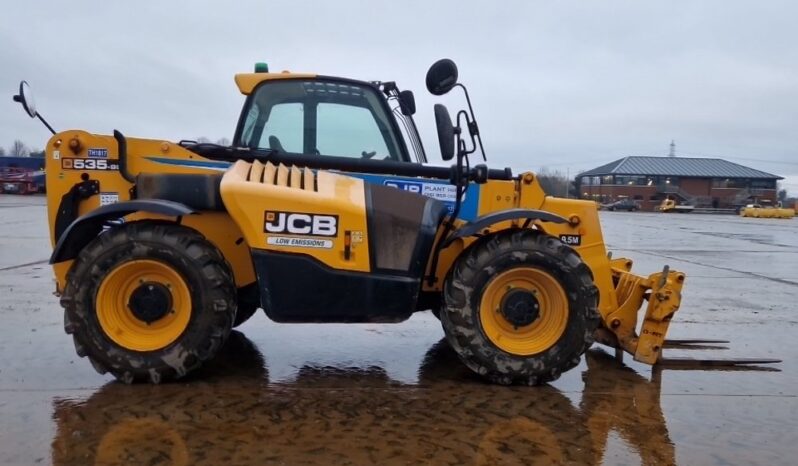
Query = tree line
x=20 y=149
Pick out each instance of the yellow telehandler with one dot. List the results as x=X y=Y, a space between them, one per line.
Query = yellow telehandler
x=323 y=209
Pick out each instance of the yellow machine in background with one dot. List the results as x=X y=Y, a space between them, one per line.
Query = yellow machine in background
x=323 y=210
x=669 y=205
x=758 y=211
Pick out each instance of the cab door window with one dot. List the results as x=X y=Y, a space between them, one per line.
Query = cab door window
x=284 y=129
x=349 y=131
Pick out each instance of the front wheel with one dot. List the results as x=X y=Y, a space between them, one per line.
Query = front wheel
x=149 y=301
x=520 y=307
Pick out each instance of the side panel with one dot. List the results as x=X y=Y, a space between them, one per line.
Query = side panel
x=402 y=228
x=298 y=288
x=295 y=211
x=331 y=248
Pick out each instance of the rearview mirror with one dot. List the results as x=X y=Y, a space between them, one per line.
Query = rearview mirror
x=441 y=77
x=25 y=97
x=445 y=132
x=407 y=103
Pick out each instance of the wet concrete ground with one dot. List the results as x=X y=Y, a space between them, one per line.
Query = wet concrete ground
x=395 y=394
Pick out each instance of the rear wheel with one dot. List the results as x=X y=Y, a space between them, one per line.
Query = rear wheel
x=149 y=301
x=521 y=307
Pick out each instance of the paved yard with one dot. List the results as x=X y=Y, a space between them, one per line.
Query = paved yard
x=394 y=394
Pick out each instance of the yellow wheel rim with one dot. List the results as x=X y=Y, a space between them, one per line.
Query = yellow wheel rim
x=530 y=338
x=532 y=442
x=140 y=441
x=122 y=325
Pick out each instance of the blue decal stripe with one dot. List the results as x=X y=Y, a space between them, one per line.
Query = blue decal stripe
x=191 y=163
x=470 y=206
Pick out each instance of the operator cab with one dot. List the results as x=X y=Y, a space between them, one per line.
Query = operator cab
x=351 y=126
x=325 y=116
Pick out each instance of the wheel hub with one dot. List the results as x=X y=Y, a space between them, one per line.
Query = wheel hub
x=150 y=302
x=520 y=308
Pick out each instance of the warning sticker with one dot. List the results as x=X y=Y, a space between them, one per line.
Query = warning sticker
x=108 y=198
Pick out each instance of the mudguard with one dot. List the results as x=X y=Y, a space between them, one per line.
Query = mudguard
x=86 y=228
x=485 y=221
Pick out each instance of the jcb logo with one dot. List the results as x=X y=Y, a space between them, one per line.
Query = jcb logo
x=297 y=223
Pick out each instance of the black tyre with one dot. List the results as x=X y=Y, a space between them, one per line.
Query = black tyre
x=520 y=307
x=149 y=301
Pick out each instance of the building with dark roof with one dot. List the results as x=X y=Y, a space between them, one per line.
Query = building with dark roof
x=699 y=181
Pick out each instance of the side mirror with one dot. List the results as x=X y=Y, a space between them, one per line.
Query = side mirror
x=445 y=132
x=407 y=103
x=441 y=77
x=25 y=97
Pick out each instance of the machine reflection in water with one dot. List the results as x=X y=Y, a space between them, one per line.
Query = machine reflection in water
x=231 y=414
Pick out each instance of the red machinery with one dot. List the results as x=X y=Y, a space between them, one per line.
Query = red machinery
x=18 y=180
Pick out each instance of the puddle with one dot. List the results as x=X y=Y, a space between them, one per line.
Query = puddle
x=232 y=414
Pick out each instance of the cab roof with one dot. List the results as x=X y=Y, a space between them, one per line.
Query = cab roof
x=247 y=82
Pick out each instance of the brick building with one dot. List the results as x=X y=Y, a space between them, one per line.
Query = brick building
x=698 y=181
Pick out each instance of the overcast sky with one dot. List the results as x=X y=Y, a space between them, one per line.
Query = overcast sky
x=567 y=85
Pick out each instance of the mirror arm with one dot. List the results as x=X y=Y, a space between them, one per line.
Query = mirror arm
x=469 y=124
x=472 y=123
x=45 y=123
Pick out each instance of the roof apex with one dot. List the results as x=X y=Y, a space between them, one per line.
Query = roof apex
x=696 y=167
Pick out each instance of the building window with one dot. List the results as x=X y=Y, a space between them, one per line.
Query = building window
x=763 y=184
x=630 y=180
x=586 y=181
x=729 y=183
x=607 y=179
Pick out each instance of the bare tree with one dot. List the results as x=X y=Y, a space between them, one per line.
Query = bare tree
x=203 y=140
x=2 y=152
x=554 y=183
x=223 y=142
x=36 y=153
x=18 y=149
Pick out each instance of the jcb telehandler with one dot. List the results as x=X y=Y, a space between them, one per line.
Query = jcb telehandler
x=322 y=210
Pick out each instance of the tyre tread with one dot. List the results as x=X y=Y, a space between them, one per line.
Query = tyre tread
x=203 y=256
x=459 y=317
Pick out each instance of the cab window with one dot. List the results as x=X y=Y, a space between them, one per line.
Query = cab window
x=320 y=118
